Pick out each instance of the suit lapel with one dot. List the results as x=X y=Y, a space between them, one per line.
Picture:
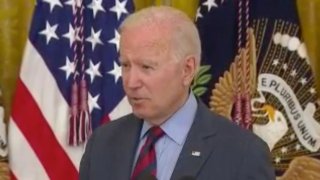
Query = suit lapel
x=198 y=146
x=127 y=144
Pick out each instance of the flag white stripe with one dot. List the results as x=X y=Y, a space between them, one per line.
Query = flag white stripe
x=23 y=160
x=40 y=82
x=123 y=108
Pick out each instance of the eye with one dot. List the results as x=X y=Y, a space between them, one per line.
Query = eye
x=147 y=67
x=124 y=65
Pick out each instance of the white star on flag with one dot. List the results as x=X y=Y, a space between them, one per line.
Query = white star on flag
x=94 y=38
x=210 y=4
x=93 y=102
x=50 y=32
x=70 y=35
x=53 y=3
x=198 y=15
x=73 y=4
x=96 y=6
x=68 y=68
x=93 y=70
x=116 y=71
x=119 y=8
x=115 y=40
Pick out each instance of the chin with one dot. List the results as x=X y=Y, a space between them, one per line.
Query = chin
x=142 y=115
x=138 y=114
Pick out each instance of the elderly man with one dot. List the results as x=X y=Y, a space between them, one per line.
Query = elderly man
x=170 y=134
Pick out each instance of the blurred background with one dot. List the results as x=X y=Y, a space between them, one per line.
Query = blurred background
x=15 y=16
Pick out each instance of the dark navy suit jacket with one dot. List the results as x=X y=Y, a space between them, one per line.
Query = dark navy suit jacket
x=227 y=152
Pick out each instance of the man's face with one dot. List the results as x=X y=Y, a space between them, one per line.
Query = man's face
x=153 y=80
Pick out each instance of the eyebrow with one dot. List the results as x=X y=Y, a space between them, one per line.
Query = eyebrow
x=150 y=62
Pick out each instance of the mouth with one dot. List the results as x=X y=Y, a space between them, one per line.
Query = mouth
x=135 y=100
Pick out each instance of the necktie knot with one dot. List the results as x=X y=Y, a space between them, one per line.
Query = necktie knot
x=155 y=133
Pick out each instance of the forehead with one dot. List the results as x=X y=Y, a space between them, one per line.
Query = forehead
x=144 y=38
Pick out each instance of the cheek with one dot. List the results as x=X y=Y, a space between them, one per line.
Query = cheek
x=124 y=82
x=163 y=83
x=166 y=86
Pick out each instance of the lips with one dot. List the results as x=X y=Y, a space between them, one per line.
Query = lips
x=136 y=99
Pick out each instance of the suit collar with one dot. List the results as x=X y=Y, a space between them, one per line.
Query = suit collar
x=179 y=123
x=128 y=147
x=199 y=144
x=199 y=139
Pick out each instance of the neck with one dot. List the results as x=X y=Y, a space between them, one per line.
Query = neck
x=177 y=105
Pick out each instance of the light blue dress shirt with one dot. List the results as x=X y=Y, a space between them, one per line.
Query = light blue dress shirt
x=168 y=147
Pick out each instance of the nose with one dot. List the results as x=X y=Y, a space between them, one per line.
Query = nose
x=132 y=79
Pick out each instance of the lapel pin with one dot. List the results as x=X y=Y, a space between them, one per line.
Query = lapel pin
x=195 y=153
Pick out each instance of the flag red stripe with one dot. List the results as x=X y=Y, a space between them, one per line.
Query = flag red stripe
x=37 y=131
x=12 y=176
x=105 y=119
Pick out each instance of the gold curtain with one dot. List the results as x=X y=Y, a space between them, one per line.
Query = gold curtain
x=310 y=23
x=188 y=6
x=15 y=18
x=14 y=21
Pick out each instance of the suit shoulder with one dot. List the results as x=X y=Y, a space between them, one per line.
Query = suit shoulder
x=228 y=129
x=117 y=125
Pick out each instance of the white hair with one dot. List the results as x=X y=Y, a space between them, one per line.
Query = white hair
x=185 y=40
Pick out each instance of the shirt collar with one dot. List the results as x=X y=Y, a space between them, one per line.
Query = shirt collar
x=179 y=124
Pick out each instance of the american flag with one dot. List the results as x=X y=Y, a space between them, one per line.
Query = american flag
x=68 y=40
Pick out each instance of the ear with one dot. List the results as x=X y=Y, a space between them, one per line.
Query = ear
x=189 y=70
